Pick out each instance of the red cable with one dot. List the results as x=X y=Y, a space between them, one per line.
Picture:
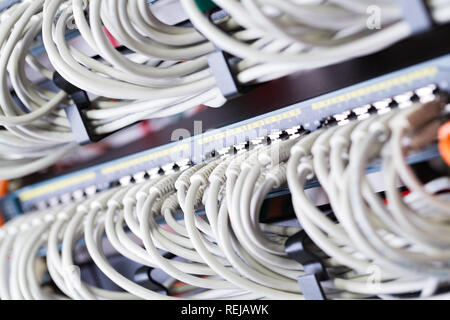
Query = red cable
x=3 y=192
x=111 y=38
x=404 y=194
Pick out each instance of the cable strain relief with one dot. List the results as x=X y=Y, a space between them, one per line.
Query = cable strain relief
x=24 y=227
x=285 y=150
x=380 y=129
x=113 y=203
x=97 y=205
x=82 y=208
x=235 y=167
x=339 y=140
x=36 y=221
x=278 y=174
x=199 y=178
x=62 y=216
x=170 y=203
x=166 y=185
x=250 y=164
x=12 y=230
x=219 y=172
x=358 y=134
x=298 y=150
x=203 y=174
x=318 y=148
x=156 y=208
x=183 y=180
x=128 y=200
x=306 y=165
x=49 y=217
x=142 y=194
x=157 y=191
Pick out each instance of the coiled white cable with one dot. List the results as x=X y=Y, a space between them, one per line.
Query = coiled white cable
x=165 y=70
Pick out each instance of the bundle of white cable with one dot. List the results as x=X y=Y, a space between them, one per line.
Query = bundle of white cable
x=36 y=134
x=282 y=37
x=167 y=74
x=210 y=258
x=165 y=71
x=402 y=247
x=228 y=253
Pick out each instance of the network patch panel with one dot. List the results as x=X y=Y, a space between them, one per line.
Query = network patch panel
x=224 y=149
x=358 y=101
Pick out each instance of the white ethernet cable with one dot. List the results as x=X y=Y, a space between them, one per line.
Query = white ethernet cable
x=282 y=37
x=408 y=247
x=166 y=75
x=171 y=73
x=105 y=211
x=229 y=254
x=36 y=134
x=166 y=71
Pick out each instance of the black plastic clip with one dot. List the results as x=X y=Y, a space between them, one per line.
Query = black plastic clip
x=220 y=63
x=143 y=276
x=225 y=79
x=297 y=249
x=83 y=131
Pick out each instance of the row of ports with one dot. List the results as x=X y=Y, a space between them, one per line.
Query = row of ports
x=423 y=95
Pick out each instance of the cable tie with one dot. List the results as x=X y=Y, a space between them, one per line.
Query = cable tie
x=143 y=277
x=81 y=128
x=220 y=65
x=297 y=249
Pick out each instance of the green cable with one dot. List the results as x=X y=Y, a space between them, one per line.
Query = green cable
x=205 y=5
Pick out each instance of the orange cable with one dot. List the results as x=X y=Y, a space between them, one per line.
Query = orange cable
x=444 y=141
x=3 y=192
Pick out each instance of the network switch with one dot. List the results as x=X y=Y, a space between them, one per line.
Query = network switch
x=358 y=101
